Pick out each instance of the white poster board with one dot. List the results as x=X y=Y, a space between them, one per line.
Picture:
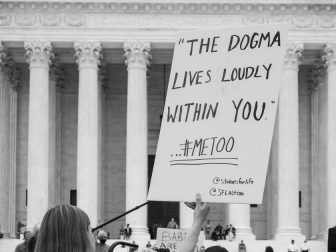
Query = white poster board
x=219 y=115
x=170 y=238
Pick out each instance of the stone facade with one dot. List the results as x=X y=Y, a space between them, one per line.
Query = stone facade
x=143 y=33
x=114 y=144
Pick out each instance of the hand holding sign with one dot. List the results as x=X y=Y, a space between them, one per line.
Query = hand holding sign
x=201 y=209
x=200 y=213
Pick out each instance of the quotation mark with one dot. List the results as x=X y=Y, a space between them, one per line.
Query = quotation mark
x=273 y=102
x=181 y=41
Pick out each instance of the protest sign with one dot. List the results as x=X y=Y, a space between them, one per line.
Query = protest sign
x=170 y=238
x=219 y=115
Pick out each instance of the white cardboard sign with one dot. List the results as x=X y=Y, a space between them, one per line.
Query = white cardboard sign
x=170 y=238
x=219 y=115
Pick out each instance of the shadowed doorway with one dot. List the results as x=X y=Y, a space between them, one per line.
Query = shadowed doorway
x=160 y=212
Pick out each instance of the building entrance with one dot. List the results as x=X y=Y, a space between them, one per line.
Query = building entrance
x=160 y=212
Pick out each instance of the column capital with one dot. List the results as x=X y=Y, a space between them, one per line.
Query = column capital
x=317 y=75
x=329 y=56
x=137 y=54
x=3 y=56
x=293 y=55
x=88 y=53
x=57 y=72
x=38 y=53
x=8 y=66
x=6 y=62
x=15 y=78
x=102 y=74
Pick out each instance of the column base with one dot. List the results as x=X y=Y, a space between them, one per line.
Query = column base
x=5 y=235
x=289 y=233
x=322 y=235
x=244 y=233
x=139 y=234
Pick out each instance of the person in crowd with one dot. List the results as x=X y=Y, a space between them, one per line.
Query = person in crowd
x=269 y=249
x=225 y=231
x=121 y=232
x=172 y=224
x=65 y=228
x=207 y=230
x=219 y=231
x=201 y=211
x=231 y=233
x=101 y=246
x=216 y=249
x=20 y=229
x=127 y=232
x=201 y=249
x=131 y=249
x=241 y=246
x=213 y=235
x=32 y=239
x=22 y=247
x=304 y=247
x=155 y=227
x=292 y=247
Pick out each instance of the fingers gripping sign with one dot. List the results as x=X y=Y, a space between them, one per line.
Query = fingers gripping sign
x=200 y=208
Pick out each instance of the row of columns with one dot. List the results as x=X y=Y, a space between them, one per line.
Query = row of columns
x=323 y=124
x=43 y=171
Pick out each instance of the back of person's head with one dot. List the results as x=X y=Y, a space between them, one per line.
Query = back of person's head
x=64 y=228
x=163 y=250
x=269 y=249
x=216 y=249
x=102 y=236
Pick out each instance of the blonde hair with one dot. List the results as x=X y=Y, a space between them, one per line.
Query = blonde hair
x=64 y=228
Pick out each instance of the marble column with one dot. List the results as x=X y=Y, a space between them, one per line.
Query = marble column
x=14 y=85
x=88 y=147
x=137 y=60
x=322 y=158
x=102 y=82
x=55 y=122
x=288 y=148
x=317 y=151
x=59 y=87
x=239 y=217
x=4 y=141
x=330 y=62
x=314 y=158
x=38 y=53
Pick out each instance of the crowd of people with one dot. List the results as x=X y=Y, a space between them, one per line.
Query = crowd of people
x=293 y=247
x=125 y=232
x=66 y=228
x=228 y=232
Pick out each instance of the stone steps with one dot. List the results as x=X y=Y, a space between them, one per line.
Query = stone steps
x=8 y=245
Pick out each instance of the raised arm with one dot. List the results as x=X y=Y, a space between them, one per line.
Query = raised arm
x=200 y=213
